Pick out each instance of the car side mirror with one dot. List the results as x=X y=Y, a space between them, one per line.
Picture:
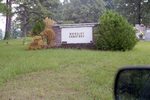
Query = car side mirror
x=132 y=84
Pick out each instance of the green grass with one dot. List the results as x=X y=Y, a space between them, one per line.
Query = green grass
x=94 y=69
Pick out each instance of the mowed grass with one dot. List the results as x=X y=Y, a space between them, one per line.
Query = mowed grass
x=85 y=74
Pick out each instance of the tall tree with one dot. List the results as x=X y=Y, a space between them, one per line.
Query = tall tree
x=8 y=19
x=136 y=11
x=30 y=11
x=109 y=4
x=83 y=10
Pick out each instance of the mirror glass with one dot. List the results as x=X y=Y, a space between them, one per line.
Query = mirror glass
x=133 y=84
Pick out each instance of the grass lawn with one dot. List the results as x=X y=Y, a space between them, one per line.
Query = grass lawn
x=63 y=74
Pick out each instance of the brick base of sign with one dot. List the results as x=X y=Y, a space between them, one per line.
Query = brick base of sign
x=79 y=46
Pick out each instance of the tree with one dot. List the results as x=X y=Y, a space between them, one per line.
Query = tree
x=6 y=10
x=83 y=10
x=8 y=19
x=2 y=7
x=1 y=34
x=16 y=32
x=31 y=11
x=115 y=33
x=109 y=4
x=38 y=27
x=136 y=11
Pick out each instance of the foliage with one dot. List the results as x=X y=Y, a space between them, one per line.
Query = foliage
x=81 y=11
x=115 y=33
x=37 y=43
x=109 y=4
x=44 y=28
x=48 y=32
x=146 y=14
x=134 y=10
x=30 y=11
x=16 y=32
x=2 y=7
x=38 y=27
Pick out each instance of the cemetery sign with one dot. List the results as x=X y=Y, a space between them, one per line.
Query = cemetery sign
x=77 y=35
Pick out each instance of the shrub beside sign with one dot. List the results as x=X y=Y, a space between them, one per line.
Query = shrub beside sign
x=76 y=35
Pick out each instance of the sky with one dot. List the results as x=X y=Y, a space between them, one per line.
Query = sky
x=61 y=0
x=2 y=23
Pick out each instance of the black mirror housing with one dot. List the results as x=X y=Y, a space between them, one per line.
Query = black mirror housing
x=132 y=83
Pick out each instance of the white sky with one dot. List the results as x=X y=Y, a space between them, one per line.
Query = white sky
x=61 y=0
x=2 y=23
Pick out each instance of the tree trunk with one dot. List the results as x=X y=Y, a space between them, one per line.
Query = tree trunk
x=139 y=12
x=8 y=20
x=24 y=24
x=24 y=28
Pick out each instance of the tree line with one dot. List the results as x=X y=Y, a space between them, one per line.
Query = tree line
x=27 y=12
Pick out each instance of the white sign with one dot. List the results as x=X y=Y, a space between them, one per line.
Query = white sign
x=77 y=35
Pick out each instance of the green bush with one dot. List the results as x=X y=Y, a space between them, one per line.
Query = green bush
x=115 y=33
x=38 y=27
